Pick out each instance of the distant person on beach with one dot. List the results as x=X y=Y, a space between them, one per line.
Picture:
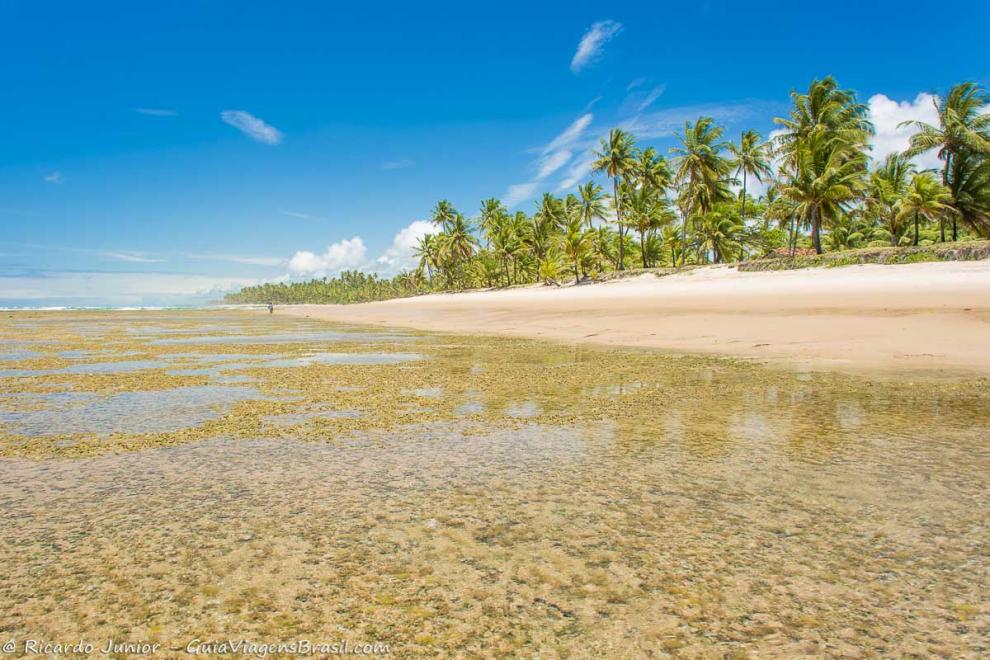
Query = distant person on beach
x=271 y=308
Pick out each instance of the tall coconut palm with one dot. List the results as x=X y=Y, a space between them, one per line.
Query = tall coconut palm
x=443 y=214
x=925 y=198
x=827 y=178
x=827 y=108
x=961 y=130
x=428 y=253
x=651 y=170
x=492 y=211
x=503 y=243
x=616 y=159
x=591 y=202
x=700 y=169
x=719 y=233
x=885 y=187
x=457 y=245
x=750 y=157
x=822 y=148
x=647 y=211
x=971 y=192
x=575 y=242
x=551 y=211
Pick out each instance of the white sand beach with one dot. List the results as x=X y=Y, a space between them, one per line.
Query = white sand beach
x=932 y=316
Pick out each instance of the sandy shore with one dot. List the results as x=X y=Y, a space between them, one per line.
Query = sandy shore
x=929 y=316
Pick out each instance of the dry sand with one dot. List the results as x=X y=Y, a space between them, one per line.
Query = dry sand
x=932 y=316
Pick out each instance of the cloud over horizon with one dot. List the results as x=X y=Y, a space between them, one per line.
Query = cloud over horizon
x=342 y=255
x=252 y=126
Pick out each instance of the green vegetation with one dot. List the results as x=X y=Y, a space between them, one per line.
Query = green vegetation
x=823 y=193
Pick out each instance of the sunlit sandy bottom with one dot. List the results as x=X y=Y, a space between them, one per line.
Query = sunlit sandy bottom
x=531 y=501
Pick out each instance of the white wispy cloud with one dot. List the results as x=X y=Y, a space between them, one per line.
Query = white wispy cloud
x=235 y=258
x=156 y=112
x=591 y=44
x=252 y=126
x=577 y=172
x=570 y=134
x=129 y=257
x=342 y=255
x=518 y=193
x=552 y=162
x=301 y=216
x=663 y=123
x=55 y=177
x=639 y=100
x=398 y=164
x=106 y=254
x=553 y=156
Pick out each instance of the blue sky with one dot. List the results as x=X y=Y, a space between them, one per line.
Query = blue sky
x=156 y=153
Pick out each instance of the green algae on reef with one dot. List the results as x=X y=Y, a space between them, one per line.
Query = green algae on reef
x=494 y=497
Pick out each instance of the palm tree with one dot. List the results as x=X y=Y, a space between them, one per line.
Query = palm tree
x=971 y=192
x=719 y=231
x=823 y=108
x=822 y=149
x=651 y=170
x=616 y=159
x=672 y=239
x=428 y=252
x=492 y=211
x=591 y=202
x=443 y=214
x=575 y=243
x=751 y=157
x=457 y=244
x=925 y=197
x=961 y=130
x=700 y=169
x=648 y=211
x=828 y=176
x=886 y=186
x=503 y=243
x=551 y=211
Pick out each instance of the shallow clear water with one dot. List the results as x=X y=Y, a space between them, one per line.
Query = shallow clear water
x=127 y=412
x=90 y=368
x=494 y=498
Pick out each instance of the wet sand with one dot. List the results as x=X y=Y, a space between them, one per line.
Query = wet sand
x=929 y=316
x=275 y=478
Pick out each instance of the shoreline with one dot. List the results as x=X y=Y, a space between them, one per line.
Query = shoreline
x=928 y=316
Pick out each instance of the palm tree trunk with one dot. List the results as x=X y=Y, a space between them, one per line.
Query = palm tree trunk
x=945 y=182
x=915 y=227
x=618 y=217
x=791 y=239
x=816 y=237
x=744 y=197
x=687 y=214
x=642 y=247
